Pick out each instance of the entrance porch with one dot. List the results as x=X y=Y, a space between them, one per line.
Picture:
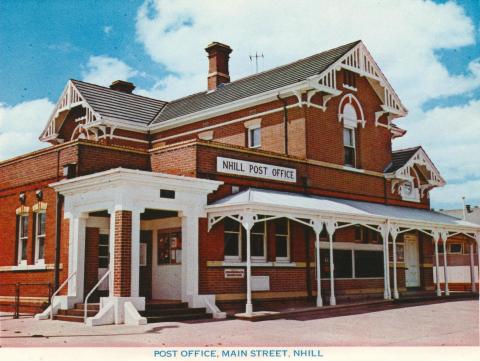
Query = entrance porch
x=124 y=211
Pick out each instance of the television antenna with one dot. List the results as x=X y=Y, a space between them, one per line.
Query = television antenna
x=256 y=57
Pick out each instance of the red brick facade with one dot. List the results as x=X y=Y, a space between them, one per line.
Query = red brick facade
x=315 y=150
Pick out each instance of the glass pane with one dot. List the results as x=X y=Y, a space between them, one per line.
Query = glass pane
x=342 y=261
x=368 y=264
x=41 y=223
x=257 y=249
x=281 y=226
x=281 y=246
x=455 y=248
x=348 y=137
x=24 y=226
x=349 y=156
x=258 y=228
x=41 y=247
x=255 y=137
x=231 y=225
x=103 y=251
x=23 y=250
x=231 y=244
x=103 y=262
x=104 y=240
x=163 y=249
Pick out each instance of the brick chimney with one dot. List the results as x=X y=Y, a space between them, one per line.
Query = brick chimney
x=218 y=55
x=122 y=86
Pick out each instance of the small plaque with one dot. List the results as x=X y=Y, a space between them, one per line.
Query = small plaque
x=234 y=273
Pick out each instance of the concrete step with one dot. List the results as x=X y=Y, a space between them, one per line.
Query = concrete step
x=177 y=318
x=77 y=312
x=166 y=306
x=171 y=311
x=90 y=306
x=68 y=318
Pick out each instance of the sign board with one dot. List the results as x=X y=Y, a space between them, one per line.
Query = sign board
x=234 y=273
x=258 y=170
x=260 y=283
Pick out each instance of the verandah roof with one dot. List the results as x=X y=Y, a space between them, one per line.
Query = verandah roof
x=262 y=201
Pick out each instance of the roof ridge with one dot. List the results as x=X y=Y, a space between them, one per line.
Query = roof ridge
x=116 y=91
x=293 y=62
x=405 y=149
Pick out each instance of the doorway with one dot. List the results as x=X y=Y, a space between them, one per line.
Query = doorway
x=145 y=289
x=412 y=266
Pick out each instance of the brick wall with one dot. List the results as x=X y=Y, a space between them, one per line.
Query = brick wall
x=123 y=254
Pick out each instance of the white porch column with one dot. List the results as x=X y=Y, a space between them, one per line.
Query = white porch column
x=111 y=247
x=436 y=236
x=330 y=227
x=445 y=265
x=472 y=269
x=384 y=231
x=394 y=233
x=76 y=257
x=135 y=280
x=248 y=220
x=317 y=228
x=189 y=266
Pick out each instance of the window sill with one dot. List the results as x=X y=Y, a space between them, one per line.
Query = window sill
x=31 y=267
x=349 y=87
x=353 y=169
x=228 y=263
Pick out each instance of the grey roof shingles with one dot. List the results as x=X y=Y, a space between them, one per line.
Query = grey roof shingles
x=255 y=84
x=400 y=158
x=144 y=110
x=115 y=104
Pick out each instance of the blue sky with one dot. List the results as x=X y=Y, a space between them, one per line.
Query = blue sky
x=159 y=46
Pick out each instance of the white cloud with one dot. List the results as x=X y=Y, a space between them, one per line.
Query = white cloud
x=107 y=29
x=20 y=126
x=402 y=37
x=102 y=70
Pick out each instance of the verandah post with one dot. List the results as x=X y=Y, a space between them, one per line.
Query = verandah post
x=317 y=227
x=445 y=266
x=436 y=236
x=248 y=220
x=394 y=233
x=330 y=227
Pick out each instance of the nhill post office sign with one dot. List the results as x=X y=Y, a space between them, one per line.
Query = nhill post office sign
x=257 y=170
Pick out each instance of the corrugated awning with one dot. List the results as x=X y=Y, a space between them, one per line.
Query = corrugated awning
x=263 y=201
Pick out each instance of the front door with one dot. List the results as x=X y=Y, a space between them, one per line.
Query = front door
x=146 y=264
x=412 y=267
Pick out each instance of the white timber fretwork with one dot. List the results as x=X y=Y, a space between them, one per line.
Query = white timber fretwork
x=360 y=61
x=70 y=99
x=408 y=181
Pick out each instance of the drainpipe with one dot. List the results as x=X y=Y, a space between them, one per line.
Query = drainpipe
x=285 y=121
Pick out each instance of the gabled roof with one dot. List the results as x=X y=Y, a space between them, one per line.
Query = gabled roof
x=255 y=84
x=406 y=160
x=400 y=158
x=118 y=105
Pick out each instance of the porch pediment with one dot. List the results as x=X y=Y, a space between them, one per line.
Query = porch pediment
x=413 y=173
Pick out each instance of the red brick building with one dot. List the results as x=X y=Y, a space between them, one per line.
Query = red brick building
x=280 y=185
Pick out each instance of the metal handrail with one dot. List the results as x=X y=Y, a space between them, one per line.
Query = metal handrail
x=58 y=290
x=85 y=304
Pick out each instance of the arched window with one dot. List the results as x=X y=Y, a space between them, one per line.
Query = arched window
x=349 y=115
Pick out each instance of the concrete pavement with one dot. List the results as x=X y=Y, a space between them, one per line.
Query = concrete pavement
x=443 y=324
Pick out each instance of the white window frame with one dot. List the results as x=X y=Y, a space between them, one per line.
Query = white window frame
x=449 y=244
x=250 y=129
x=237 y=258
x=20 y=238
x=38 y=236
x=264 y=257
x=283 y=259
x=352 y=129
